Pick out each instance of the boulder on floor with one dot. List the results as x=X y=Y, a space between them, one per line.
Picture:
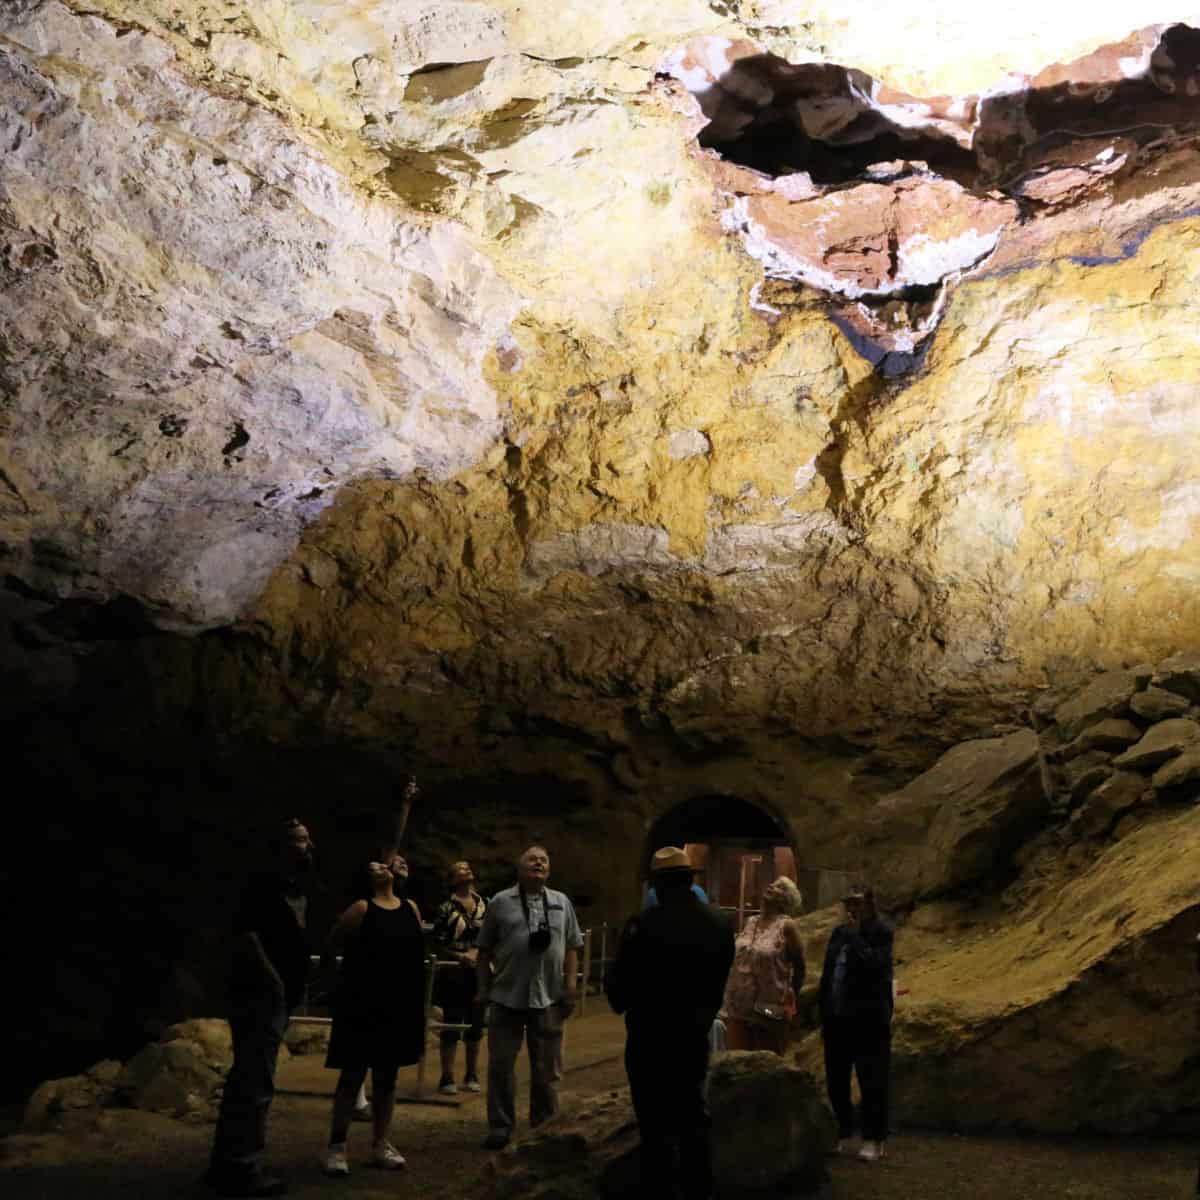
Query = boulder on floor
x=211 y=1034
x=302 y=1038
x=771 y=1128
x=961 y=819
x=177 y=1078
x=771 y=1132
x=52 y=1103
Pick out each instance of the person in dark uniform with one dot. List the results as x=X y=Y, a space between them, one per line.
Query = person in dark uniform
x=269 y=972
x=856 y=1020
x=378 y=1008
x=668 y=979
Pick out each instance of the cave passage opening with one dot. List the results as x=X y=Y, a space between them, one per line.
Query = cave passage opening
x=738 y=848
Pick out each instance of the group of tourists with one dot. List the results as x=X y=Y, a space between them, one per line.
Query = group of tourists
x=680 y=974
x=682 y=979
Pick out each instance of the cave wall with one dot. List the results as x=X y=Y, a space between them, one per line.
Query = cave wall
x=442 y=387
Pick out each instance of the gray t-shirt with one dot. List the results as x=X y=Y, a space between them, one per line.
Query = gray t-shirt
x=525 y=978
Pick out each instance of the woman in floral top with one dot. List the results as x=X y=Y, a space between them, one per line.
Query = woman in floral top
x=767 y=973
x=455 y=929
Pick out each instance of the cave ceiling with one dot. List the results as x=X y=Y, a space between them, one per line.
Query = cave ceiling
x=756 y=366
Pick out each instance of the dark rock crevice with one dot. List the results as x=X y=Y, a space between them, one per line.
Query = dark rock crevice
x=883 y=201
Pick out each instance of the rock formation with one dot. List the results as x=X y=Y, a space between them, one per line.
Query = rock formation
x=771 y=1131
x=592 y=408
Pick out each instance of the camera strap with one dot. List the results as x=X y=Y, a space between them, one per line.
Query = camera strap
x=545 y=922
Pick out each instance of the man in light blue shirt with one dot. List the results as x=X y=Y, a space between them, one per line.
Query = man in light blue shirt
x=531 y=937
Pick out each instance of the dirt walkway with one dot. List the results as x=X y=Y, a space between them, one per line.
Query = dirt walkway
x=138 y=1156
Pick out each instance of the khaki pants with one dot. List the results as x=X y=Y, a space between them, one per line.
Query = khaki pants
x=541 y=1030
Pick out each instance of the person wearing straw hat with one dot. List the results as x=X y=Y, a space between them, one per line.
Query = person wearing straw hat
x=668 y=979
x=856 y=1019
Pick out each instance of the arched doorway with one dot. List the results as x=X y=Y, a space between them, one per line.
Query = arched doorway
x=736 y=847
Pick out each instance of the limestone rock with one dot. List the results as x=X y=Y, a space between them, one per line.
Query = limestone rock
x=286 y=272
x=1112 y=734
x=771 y=1127
x=962 y=818
x=758 y=1102
x=1180 y=674
x=212 y=1036
x=170 y=1077
x=1158 y=704
x=1179 y=773
x=1081 y=774
x=52 y=1103
x=1041 y=1021
x=589 y=1148
x=1160 y=742
x=1105 y=805
x=1108 y=695
x=306 y=1039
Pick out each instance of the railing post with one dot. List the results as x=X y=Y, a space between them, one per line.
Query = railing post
x=587 y=971
x=431 y=966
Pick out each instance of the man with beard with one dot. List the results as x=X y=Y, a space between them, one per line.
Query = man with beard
x=668 y=979
x=269 y=972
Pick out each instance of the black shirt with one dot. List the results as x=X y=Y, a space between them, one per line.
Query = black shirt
x=671 y=966
x=265 y=910
x=865 y=975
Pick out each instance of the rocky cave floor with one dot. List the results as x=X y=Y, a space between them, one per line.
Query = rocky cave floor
x=161 y=1156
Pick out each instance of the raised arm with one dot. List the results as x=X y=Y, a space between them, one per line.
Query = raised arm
x=410 y=793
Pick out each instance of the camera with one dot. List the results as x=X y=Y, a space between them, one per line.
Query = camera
x=539 y=939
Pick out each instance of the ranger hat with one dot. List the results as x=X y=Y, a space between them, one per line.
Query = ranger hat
x=670 y=858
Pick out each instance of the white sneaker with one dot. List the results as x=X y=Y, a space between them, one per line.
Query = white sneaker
x=871 y=1151
x=449 y=1088
x=471 y=1084
x=388 y=1158
x=335 y=1161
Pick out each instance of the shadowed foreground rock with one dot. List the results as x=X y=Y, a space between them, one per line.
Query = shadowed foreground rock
x=771 y=1128
x=771 y=1131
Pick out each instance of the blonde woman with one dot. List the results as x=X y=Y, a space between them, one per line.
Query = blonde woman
x=767 y=974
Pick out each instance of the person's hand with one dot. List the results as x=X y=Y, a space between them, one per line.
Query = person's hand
x=469 y=957
x=568 y=1000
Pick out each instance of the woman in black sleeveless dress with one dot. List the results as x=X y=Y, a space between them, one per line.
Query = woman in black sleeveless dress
x=378 y=1008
